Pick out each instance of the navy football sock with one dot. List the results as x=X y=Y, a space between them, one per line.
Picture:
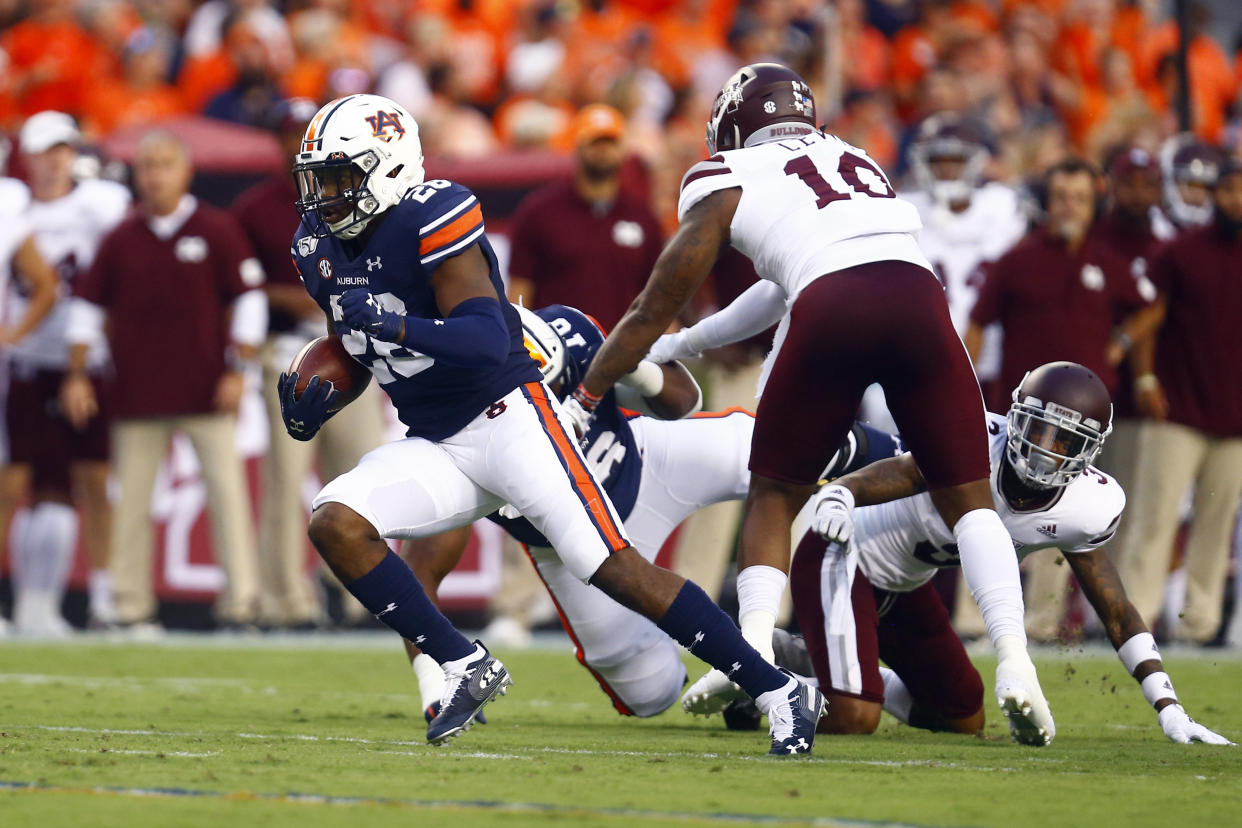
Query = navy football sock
x=392 y=594
x=702 y=628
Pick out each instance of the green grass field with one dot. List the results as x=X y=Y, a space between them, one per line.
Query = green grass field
x=327 y=731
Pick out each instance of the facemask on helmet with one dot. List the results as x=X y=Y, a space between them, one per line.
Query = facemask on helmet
x=360 y=156
x=1190 y=172
x=945 y=140
x=1060 y=416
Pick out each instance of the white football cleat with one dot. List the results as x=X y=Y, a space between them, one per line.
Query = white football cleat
x=1023 y=703
x=711 y=694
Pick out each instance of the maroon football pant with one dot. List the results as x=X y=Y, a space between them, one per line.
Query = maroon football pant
x=41 y=437
x=908 y=631
x=884 y=322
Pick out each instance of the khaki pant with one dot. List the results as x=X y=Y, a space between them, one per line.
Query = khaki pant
x=1170 y=458
x=705 y=544
x=287 y=596
x=138 y=447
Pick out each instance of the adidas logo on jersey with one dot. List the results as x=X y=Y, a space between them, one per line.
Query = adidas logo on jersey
x=1049 y=529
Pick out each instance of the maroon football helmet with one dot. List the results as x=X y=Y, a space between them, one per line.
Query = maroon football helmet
x=1060 y=415
x=760 y=102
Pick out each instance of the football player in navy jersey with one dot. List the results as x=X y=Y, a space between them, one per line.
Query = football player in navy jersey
x=409 y=282
x=657 y=472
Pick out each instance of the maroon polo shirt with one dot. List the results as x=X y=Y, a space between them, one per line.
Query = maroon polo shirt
x=1054 y=304
x=167 y=304
x=596 y=259
x=1199 y=350
x=268 y=217
x=1135 y=244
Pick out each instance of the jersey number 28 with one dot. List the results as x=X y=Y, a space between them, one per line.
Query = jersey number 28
x=858 y=173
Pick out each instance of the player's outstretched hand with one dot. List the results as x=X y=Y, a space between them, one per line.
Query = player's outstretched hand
x=833 y=519
x=362 y=312
x=711 y=694
x=672 y=346
x=1179 y=727
x=1020 y=697
x=305 y=414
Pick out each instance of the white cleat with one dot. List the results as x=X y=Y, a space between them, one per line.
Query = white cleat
x=1024 y=706
x=711 y=694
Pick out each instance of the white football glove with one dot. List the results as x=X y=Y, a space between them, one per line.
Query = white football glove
x=576 y=417
x=833 y=519
x=711 y=694
x=1179 y=727
x=672 y=346
x=1022 y=701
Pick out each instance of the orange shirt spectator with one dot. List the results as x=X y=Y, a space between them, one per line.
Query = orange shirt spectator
x=1212 y=81
x=50 y=59
x=140 y=95
x=203 y=78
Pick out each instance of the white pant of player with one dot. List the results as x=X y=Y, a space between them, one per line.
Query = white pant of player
x=413 y=488
x=687 y=464
x=516 y=452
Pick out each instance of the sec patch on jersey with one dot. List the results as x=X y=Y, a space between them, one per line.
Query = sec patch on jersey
x=327 y=359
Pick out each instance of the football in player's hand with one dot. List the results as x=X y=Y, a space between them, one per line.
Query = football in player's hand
x=327 y=358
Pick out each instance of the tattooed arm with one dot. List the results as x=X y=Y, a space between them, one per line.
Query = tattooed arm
x=885 y=480
x=1135 y=646
x=681 y=268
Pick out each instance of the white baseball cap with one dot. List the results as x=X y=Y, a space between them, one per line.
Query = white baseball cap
x=44 y=130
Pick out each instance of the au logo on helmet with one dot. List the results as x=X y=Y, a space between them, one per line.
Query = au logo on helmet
x=383 y=121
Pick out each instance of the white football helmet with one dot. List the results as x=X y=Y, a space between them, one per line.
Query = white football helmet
x=544 y=344
x=360 y=155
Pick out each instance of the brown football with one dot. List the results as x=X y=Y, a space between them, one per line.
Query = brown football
x=327 y=359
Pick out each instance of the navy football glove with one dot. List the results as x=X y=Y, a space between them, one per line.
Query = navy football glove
x=305 y=414
x=362 y=312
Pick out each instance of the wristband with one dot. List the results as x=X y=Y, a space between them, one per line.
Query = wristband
x=647 y=379
x=1146 y=382
x=1123 y=339
x=586 y=399
x=1158 y=686
x=1137 y=649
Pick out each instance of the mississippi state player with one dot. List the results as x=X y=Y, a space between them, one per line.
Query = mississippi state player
x=866 y=596
x=62 y=461
x=967 y=221
x=656 y=472
x=820 y=220
x=410 y=284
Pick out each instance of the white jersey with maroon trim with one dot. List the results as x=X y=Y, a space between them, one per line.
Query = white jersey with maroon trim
x=67 y=231
x=810 y=205
x=959 y=244
x=901 y=544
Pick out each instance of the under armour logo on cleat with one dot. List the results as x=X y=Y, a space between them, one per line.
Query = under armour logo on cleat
x=798 y=748
x=386 y=610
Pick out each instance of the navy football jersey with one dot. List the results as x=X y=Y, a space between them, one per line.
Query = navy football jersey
x=433 y=222
x=609 y=444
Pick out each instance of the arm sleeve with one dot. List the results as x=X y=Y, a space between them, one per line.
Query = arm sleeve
x=758 y=308
x=84 y=322
x=238 y=270
x=474 y=335
x=703 y=179
x=249 y=324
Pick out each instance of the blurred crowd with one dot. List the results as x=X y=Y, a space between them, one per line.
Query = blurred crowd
x=1044 y=77
x=1025 y=131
